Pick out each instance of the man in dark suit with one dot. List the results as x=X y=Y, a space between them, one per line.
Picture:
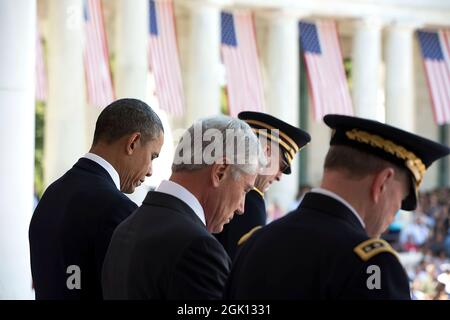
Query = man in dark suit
x=281 y=142
x=329 y=247
x=165 y=249
x=74 y=221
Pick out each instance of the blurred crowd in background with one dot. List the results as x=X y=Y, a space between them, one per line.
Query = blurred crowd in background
x=425 y=233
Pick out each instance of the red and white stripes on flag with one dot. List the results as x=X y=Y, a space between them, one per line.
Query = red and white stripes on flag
x=163 y=57
x=96 y=57
x=324 y=64
x=435 y=48
x=240 y=57
x=41 y=75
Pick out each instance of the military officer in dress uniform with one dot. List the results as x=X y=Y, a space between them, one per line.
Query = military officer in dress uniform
x=281 y=142
x=329 y=247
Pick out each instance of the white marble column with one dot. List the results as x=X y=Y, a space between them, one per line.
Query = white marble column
x=281 y=62
x=17 y=111
x=400 y=109
x=202 y=88
x=65 y=120
x=131 y=72
x=131 y=66
x=366 y=70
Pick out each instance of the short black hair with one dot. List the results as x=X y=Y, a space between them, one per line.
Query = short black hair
x=125 y=116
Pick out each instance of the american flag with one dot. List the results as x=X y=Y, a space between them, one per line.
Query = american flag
x=325 y=69
x=41 y=75
x=163 y=57
x=435 y=47
x=96 y=57
x=240 y=57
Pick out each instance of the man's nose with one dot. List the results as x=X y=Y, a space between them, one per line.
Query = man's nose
x=241 y=208
x=149 y=171
x=239 y=212
x=278 y=176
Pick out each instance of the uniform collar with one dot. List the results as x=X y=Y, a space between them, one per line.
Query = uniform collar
x=259 y=192
x=340 y=199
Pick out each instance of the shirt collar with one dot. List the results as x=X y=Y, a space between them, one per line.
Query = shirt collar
x=105 y=165
x=340 y=199
x=180 y=192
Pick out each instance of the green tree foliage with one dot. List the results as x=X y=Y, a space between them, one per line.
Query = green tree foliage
x=224 y=101
x=39 y=149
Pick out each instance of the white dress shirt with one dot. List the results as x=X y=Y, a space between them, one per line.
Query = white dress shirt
x=340 y=199
x=106 y=165
x=180 y=192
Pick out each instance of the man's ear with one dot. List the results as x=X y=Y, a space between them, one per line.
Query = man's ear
x=380 y=183
x=132 y=141
x=218 y=173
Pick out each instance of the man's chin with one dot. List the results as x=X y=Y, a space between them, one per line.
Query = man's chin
x=128 y=190
x=217 y=230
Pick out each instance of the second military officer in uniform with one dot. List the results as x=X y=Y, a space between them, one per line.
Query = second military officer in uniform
x=329 y=247
x=281 y=142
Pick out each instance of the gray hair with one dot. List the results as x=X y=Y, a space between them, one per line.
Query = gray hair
x=218 y=139
x=126 y=116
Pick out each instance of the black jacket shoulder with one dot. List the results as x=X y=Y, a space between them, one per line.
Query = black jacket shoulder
x=72 y=226
x=164 y=251
x=310 y=254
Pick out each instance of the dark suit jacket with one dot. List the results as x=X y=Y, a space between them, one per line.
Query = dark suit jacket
x=72 y=225
x=309 y=254
x=164 y=251
x=254 y=215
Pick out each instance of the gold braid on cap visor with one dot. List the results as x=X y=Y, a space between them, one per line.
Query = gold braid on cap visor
x=290 y=152
x=412 y=162
x=289 y=140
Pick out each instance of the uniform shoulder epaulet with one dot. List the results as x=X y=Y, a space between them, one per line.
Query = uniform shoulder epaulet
x=370 y=248
x=246 y=236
